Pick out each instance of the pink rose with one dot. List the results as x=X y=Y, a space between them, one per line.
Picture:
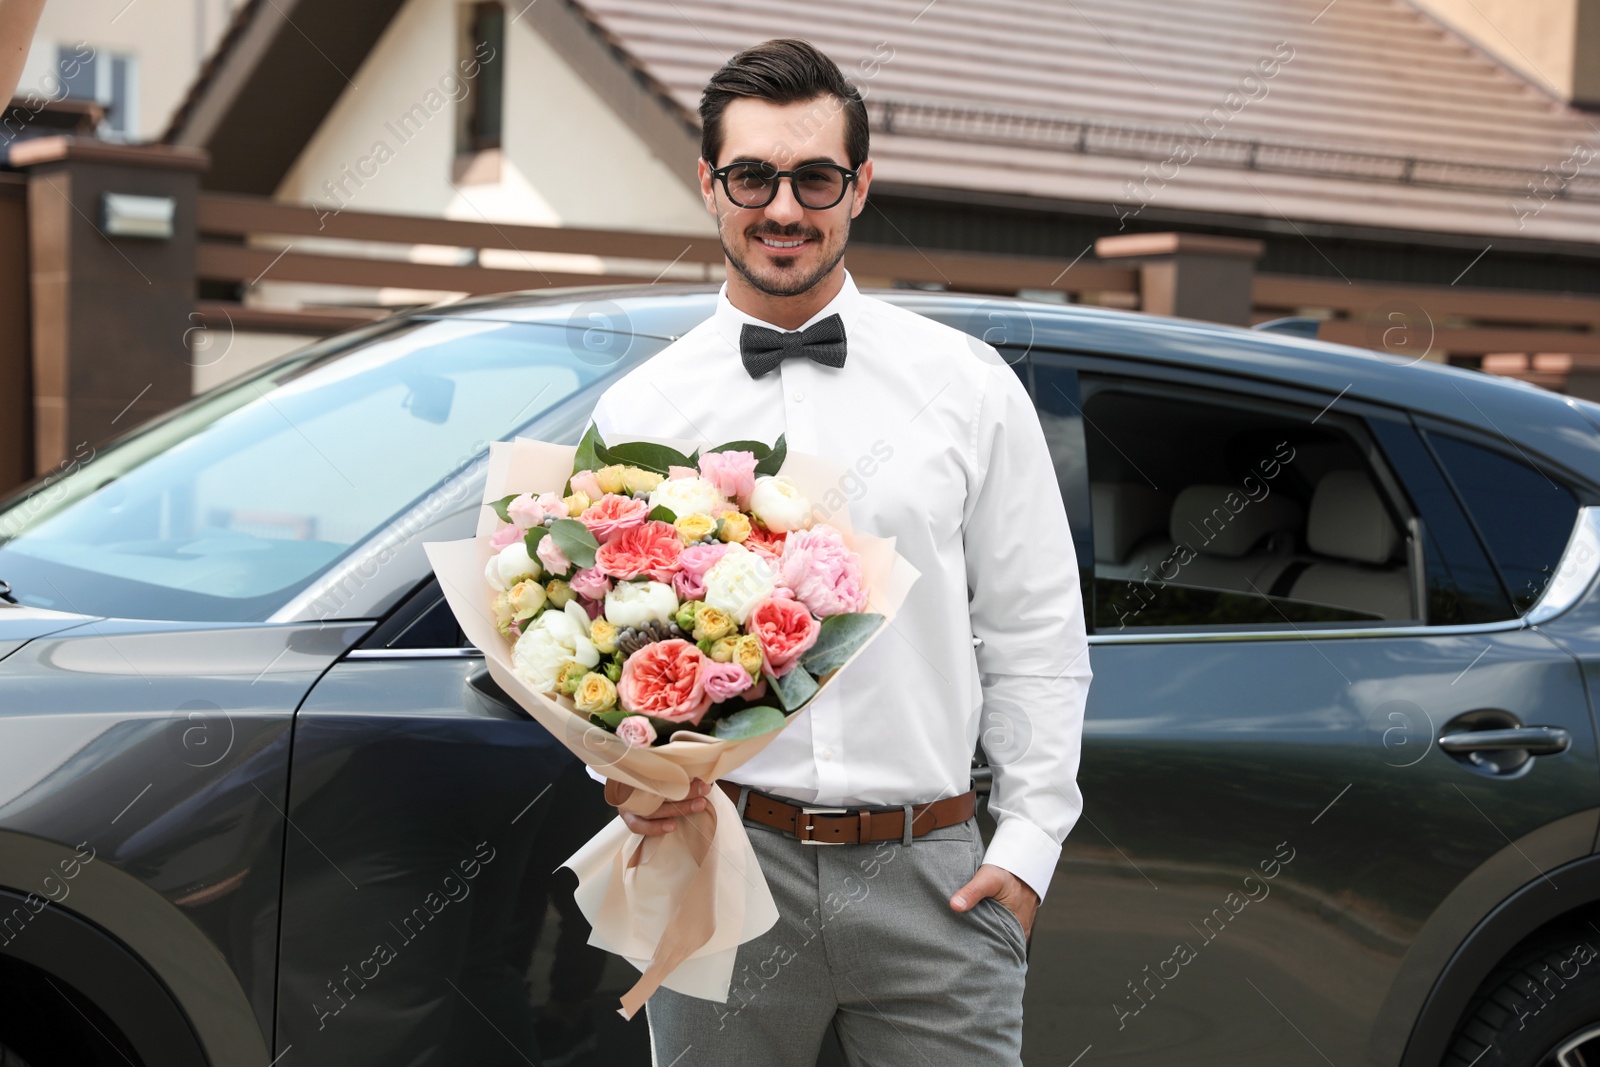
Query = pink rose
x=590 y=582
x=652 y=549
x=786 y=630
x=553 y=505
x=637 y=731
x=724 y=680
x=822 y=572
x=509 y=534
x=693 y=562
x=586 y=483
x=764 y=541
x=525 y=511
x=555 y=561
x=733 y=473
x=612 y=514
x=663 y=680
x=675 y=471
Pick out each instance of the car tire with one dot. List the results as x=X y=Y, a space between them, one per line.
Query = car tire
x=1534 y=1004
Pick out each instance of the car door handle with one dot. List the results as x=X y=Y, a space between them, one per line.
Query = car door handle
x=1535 y=740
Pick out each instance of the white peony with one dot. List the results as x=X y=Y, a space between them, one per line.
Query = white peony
x=779 y=504
x=686 y=496
x=510 y=565
x=739 y=581
x=551 y=640
x=636 y=603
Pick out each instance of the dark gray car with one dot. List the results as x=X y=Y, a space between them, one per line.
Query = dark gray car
x=259 y=803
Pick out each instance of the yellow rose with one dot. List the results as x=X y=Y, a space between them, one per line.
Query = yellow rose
x=735 y=527
x=503 y=614
x=695 y=527
x=635 y=480
x=526 y=598
x=560 y=593
x=722 y=651
x=576 y=503
x=570 y=676
x=595 y=694
x=610 y=478
x=747 y=654
x=711 y=624
x=604 y=635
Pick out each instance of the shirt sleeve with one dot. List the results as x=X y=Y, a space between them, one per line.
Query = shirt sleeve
x=1027 y=615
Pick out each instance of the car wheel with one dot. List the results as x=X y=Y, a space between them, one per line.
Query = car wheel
x=1540 y=1008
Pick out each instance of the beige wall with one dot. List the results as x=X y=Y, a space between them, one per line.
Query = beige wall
x=168 y=40
x=567 y=159
x=1554 y=43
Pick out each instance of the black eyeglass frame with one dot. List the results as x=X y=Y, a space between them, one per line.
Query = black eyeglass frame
x=775 y=176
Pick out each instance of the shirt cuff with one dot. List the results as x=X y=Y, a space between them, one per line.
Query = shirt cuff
x=1026 y=851
x=596 y=775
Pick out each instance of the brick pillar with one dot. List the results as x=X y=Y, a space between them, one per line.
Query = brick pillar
x=109 y=310
x=1190 y=275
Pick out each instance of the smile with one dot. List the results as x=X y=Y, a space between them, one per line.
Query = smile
x=773 y=242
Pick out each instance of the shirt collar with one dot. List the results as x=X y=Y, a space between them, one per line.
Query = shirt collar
x=729 y=320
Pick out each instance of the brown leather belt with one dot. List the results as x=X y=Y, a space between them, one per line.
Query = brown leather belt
x=852 y=826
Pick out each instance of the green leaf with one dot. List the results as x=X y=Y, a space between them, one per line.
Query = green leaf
x=575 y=541
x=501 y=505
x=532 y=539
x=794 y=688
x=587 y=458
x=773 y=461
x=751 y=722
x=662 y=513
x=608 y=719
x=841 y=635
x=644 y=455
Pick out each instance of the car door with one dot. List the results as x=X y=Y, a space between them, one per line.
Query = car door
x=1288 y=606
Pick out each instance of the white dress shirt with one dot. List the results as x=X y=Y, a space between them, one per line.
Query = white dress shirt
x=948 y=458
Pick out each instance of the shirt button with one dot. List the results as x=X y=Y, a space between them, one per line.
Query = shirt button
x=799 y=397
x=827 y=753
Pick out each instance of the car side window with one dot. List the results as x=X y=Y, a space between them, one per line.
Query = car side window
x=1213 y=511
x=1524 y=516
x=422 y=620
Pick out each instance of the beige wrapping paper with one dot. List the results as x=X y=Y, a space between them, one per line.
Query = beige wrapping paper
x=676 y=906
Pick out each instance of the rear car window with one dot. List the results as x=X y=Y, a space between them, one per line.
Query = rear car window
x=1524 y=516
x=1213 y=511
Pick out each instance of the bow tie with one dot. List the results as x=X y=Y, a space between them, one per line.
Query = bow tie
x=762 y=350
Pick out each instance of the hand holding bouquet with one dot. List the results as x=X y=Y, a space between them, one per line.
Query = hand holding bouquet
x=664 y=611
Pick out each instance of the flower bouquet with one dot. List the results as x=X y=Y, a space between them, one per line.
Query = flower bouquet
x=665 y=611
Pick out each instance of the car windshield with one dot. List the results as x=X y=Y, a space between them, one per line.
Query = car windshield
x=224 y=509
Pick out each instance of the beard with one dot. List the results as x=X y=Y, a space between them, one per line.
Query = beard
x=787 y=281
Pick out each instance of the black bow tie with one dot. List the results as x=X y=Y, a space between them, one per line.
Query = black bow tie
x=762 y=349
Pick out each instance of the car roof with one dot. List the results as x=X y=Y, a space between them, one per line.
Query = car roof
x=1524 y=416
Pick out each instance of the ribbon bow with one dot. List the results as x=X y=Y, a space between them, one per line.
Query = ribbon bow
x=762 y=350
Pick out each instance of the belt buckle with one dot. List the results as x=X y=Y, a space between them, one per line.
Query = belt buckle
x=810 y=828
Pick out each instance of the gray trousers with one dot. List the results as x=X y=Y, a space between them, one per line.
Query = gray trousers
x=865 y=942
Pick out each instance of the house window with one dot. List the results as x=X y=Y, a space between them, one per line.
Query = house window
x=106 y=78
x=482 y=66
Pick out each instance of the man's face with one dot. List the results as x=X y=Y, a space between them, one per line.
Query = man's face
x=785 y=248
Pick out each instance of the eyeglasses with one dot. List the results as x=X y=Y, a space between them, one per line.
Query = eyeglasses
x=816 y=185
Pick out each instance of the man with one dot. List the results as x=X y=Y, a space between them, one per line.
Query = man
x=901 y=937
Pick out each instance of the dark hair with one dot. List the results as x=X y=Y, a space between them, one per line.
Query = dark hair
x=783 y=71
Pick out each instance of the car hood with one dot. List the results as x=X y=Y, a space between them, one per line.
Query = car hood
x=19 y=625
